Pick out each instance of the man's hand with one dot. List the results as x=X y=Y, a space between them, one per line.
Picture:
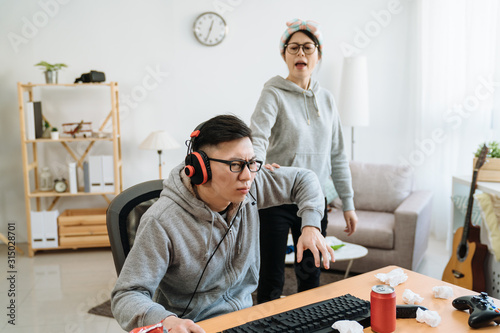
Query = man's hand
x=351 y=219
x=177 y=325
x=311 y=239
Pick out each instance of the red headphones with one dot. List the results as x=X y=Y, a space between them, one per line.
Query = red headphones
x=197 y=163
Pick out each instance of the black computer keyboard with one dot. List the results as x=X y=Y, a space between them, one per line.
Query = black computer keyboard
x=316 y=317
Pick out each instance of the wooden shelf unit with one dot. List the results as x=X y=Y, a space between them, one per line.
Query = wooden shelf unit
x=31 y=163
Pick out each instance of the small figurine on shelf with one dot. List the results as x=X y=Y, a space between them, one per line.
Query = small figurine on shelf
x=82 y=128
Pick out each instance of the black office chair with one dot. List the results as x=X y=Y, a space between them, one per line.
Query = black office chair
x=124 y=214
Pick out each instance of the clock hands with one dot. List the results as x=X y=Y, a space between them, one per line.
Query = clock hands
x=209 y=30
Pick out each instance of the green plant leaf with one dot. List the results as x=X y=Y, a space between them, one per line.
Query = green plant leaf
x=49 y=67
x=493 y=149
x=336 y=247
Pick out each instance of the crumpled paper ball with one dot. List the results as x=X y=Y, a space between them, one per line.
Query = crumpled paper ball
x=393 y=278
x=409 y=297
x=442 y=292
x=431 y=318
x=348 y=326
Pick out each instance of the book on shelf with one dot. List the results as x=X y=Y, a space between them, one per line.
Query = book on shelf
x=34 y=120
x=86 y=177
x=73 y=178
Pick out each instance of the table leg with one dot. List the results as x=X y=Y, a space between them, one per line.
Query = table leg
x=348 y=268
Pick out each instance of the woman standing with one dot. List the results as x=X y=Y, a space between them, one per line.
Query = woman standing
x=296 y=123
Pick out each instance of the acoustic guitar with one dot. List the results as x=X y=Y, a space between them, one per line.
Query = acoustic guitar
x=466 y=265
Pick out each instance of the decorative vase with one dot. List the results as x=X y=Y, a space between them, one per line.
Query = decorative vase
x=50 y=76
x=46 y=132
x=46 y=183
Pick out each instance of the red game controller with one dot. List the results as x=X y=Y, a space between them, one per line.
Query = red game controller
x=156 y=328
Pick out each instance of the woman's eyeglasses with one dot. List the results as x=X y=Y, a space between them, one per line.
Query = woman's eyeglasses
x=308 y=48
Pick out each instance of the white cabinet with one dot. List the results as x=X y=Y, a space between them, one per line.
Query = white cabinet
x=461 y=186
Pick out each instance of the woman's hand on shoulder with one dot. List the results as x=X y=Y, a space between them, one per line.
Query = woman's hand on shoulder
x=271 y=166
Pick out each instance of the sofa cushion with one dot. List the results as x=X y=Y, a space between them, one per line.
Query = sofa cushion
x=380 y=187
x=374 y=229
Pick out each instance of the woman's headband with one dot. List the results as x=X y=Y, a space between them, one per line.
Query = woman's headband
x=297 y=25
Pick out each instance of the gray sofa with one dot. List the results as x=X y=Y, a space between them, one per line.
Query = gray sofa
x=393 y=220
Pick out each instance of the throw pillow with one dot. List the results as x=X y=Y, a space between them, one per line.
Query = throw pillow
x=461 y=203
x=380 y=187
x=491 y=217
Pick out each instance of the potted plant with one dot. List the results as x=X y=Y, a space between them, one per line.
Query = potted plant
x=51 y=70
x=54 y=134
x=490 y=171
x=46 y=129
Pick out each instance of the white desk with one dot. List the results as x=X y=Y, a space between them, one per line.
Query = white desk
x=452 y=320
x=347 y=252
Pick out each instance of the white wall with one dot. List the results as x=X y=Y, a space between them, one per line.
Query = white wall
x=129 y=40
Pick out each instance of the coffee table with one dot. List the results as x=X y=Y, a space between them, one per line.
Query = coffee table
x=347 y=252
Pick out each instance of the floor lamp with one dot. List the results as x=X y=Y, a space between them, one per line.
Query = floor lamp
x=353 y=97
x=159 y=141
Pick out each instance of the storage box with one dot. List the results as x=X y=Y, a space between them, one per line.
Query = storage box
x=83 y=227
x=490 y=171
x=44 y=229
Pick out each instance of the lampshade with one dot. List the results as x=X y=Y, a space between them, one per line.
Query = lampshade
x=159 y=140
x=353 y=97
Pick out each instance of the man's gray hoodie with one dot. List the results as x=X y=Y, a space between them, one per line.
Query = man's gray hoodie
x=296 y=127
x=179 y=233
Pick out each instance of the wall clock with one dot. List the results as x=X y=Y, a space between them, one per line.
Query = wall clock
x=210 y=28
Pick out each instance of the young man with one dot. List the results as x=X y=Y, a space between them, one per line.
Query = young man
x=196 y=252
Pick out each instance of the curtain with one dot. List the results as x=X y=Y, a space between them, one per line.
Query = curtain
x=456 y=102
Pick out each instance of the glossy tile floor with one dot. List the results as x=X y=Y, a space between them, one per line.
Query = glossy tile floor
x=54 y=290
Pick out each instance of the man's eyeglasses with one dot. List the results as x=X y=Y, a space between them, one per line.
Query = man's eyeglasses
x=239 y=165
x=308 y=48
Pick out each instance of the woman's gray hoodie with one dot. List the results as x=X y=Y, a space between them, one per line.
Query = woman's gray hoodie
x=179 y=233
x=296 y=127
